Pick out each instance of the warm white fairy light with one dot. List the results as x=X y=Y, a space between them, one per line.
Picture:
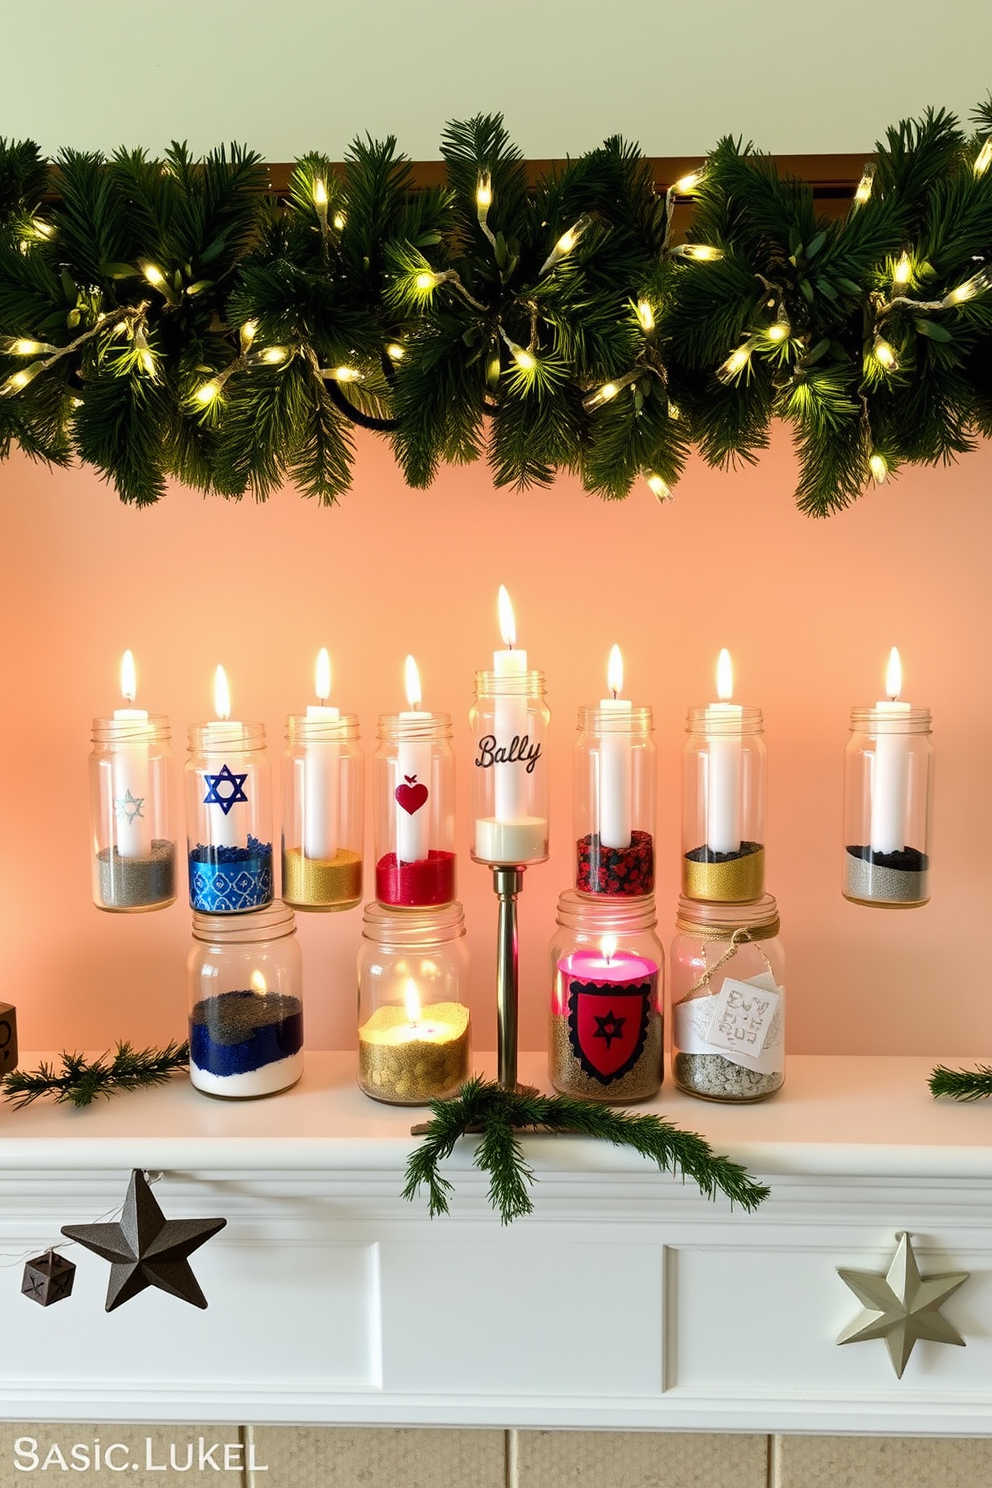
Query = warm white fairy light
x=395 y=351
x=607 y=392
x=865 y=186
x=524 y=359
x=698 y=252
x=247 y=333
x=484 y=192
x=903 y=271
x=977 y=284
x=566 y=243
x=153 y=274
x=685 y=185
x=885 y=354
x=781 y=327
x=879 y=469
x=737 y=361
x=984 y=158
x=657 y=485
x=19 y=379
x=320 y=202
x=674 y=411
x=426 y=280
x=339 y=221
x=344 y=374
x=273 y=355
x=207 y=391
x=645 y=316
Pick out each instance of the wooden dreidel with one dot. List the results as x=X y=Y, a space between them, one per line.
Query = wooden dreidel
x=8 y=1038
x=48 y=1278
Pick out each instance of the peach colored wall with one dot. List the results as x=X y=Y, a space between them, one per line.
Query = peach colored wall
x=809 y=610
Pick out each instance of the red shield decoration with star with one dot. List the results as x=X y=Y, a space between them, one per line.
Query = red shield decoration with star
x=607 y=1026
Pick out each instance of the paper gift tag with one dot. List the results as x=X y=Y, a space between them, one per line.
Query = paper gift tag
x=744 y=1016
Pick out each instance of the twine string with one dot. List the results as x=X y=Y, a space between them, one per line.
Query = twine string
x=741 y=936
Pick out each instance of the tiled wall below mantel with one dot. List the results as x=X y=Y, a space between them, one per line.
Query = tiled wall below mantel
x=383 y=1457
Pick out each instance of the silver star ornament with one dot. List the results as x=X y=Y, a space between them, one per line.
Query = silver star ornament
x=902 y=1306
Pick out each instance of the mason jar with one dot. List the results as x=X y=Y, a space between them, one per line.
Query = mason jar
x=607 y=998
x=134 y=851
x=723 y=804
x=415 y=810
x=614 y=794
x=413 y=1004
x=228 y=818
x=888 y=786
x=510 y=775
x=728 y=1000
x=323 y=812
x=245 y=1003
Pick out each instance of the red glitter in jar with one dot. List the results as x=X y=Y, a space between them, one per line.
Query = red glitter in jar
x=620 y=872
x=410 y=885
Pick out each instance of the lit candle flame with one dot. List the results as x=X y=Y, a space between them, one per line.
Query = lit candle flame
x=322 y=682
x=411 y=998
x=413 y=693
x=614 y=672
x=608 y=946
x=507 y=623
x=724 y=677
x=258 y=983
x=129 y=685
x=893 y=675
x=222 y=694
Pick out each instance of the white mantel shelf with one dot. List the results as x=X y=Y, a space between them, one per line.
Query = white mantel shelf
x=625 y=1300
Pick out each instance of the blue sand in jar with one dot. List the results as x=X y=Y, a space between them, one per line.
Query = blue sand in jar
x=242 y=1031
x=230 y=879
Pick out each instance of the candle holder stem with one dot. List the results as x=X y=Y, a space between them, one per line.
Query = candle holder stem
x=507 y=882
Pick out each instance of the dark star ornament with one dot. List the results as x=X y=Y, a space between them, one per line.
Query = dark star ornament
x=146 y=1249
x=902 y=1306
x=609 y=1028
x=226 y=777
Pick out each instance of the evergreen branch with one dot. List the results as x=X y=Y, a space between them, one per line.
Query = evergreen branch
x=501 y=1116
x=80 y=1080
x=962 y=1085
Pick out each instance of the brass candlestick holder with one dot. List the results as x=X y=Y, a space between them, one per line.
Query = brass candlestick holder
x=507 y=883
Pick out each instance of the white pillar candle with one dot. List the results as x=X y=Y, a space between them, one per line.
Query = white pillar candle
x=723 y=774
x=412 y=778
x=890 y=768
x=321 y=802
x=510 y=722
x=615 y=778
x=228 y=824
x=131 y=781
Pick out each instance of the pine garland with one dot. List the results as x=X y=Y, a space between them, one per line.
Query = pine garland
x=80 y=1080
x=962 y=1085
x=166 y=319
x=498 y=1116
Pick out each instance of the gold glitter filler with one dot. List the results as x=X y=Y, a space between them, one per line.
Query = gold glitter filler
x=410 y=1063
x=737 y=880
x=321 y=883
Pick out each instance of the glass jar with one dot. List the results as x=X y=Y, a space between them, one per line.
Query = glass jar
x=510 y=781
x=614 y=789
x=134 y=851
x=728 y=1000
x=323 y=816
x=415 y=810
x=228 y=818
x=607 y=999
x=413 y=995
x=888 y=771
x=245 y=1003
x=723 y=804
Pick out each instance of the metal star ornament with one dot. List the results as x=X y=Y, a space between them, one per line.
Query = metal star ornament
x=902 y=1306
x=146 y=1249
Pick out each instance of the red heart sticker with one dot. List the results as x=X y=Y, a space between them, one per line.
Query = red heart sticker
x=411 y=797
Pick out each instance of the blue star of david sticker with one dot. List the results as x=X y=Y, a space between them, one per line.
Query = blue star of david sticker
x=230 y=798
x=127 y=807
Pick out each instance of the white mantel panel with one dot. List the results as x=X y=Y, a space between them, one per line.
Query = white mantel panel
x=554 y=1308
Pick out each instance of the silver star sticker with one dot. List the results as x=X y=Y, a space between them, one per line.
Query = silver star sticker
x=902 y=1306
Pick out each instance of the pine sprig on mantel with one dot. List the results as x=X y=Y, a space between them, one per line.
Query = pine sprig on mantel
x=960 y=1084
x=500 y=1117
x=166 y=319
x=80 y=1080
